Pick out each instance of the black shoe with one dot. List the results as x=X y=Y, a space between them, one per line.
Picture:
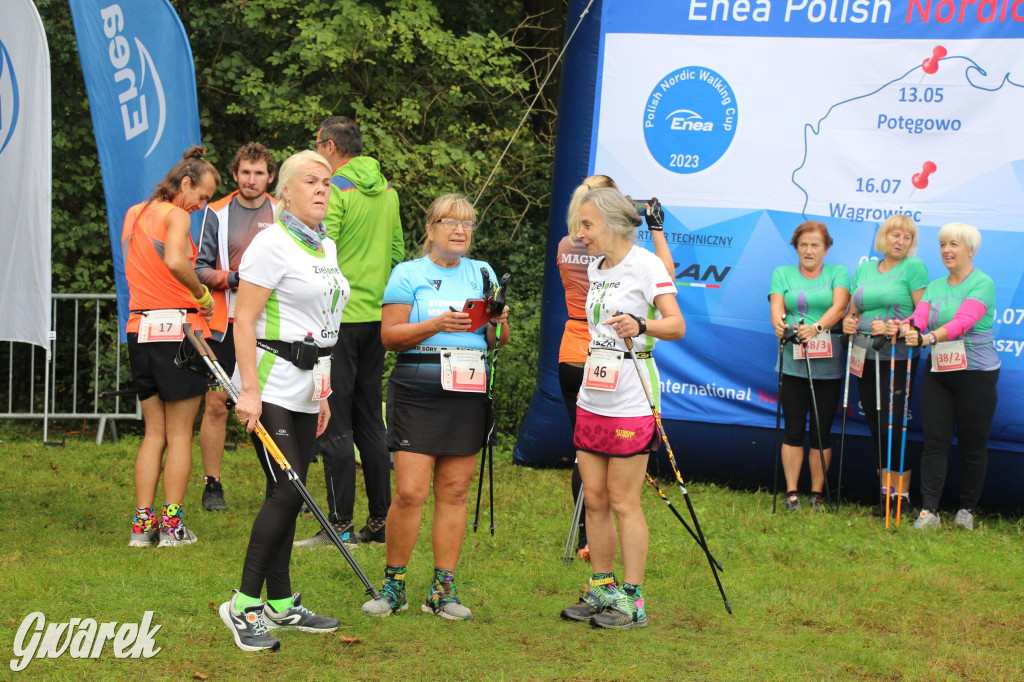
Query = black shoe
x=373 y=531
x=321 y=539
x=815 y=501
x=792 y=502
x=213 y=495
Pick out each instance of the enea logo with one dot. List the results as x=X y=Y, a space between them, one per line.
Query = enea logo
x=135 y=80
x=696 y=275
x=690 y=119
x=9 y=103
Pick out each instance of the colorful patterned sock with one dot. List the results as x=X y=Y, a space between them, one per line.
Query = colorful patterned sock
x=634 y=592
x=172 y=517
x=145 y=520
x=394 y=572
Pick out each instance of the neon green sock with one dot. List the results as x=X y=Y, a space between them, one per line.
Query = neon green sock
x=243 y=600
x=281 y=605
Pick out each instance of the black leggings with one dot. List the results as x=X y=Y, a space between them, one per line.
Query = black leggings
x=878 y=421
x=270 y=543
x=796 y=404
x=570 y=378
x=965 y=400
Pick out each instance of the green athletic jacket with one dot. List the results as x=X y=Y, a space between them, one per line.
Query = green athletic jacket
x=362 y=218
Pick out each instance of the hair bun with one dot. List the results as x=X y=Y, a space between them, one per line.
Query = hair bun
x=195 y=152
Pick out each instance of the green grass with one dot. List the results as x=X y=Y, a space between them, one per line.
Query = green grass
x=814 y=596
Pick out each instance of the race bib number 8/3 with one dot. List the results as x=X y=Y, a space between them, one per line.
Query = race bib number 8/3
x=857 y=355
x=818 y=347
x=949 y=356
x=464 y=371
x=161 y=325
x=601 y=372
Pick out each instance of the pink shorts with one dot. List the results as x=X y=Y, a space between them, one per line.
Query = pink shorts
x=616 y=436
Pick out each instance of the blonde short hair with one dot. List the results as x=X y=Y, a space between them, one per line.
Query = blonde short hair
x=454 y=205
x=898 y=221
x=962 y=232
x=592 y=182
x=290 y=170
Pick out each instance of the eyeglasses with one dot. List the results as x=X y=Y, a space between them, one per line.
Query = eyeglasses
x=318 y=143
x=452 y=223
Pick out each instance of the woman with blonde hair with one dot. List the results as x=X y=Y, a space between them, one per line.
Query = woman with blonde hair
x=437 y=407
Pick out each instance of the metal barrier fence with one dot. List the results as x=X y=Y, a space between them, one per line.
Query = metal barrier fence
x=66 y=381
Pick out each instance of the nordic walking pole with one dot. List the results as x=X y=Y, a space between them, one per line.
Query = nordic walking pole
x=903 y=438
x=787 y=336
x=842 y=437
x=675 y=468
x=195 y=337
x=574 y=529
x=817 y=424
x=878 y=428
x=496 y=303
x=679 y=516
x=888 y=459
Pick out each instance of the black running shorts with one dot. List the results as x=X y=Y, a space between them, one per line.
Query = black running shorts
x=155 y=374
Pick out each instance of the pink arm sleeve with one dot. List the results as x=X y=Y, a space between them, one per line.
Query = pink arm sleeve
x=967 y=315
x=920 y=316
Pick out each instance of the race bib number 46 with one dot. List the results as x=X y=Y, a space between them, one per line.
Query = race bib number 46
x=602 y=369
x=949 y=356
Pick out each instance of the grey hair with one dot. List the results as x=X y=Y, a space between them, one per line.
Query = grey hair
x=962 y=232
x=616 y=210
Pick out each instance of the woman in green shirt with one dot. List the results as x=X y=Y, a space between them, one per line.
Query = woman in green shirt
x=810 y=297
x=883 y=290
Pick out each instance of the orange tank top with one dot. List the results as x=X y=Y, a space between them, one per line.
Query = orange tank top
x=151 y=284
x=573 y=260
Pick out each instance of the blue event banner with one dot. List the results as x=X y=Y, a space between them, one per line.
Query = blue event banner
x=141 y=83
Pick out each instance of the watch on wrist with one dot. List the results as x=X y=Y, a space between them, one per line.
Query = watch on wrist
x=818 y=327
x=931 y=339
x=641 y=323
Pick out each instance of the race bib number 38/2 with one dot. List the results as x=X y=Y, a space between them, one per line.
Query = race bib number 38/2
x=949 y=356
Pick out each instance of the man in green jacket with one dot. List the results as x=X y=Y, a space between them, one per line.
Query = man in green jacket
x=362 y=218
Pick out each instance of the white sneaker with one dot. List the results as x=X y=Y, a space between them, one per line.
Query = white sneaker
x=926 y=520
x=176 y=537
x=964 y=519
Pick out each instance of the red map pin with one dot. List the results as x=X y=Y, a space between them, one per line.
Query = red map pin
x=931 y=65
x=920 y=180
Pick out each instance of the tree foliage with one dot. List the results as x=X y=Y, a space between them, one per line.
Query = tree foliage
x=437 y=86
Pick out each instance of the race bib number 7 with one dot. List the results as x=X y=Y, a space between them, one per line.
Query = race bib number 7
x=949 y=356
x=463 y=371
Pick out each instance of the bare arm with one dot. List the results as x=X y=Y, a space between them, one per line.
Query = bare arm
x=176 y=252
x=840 y=301
x=777 y=304
x=397 y=333
x=670 y=327
x=252 y=299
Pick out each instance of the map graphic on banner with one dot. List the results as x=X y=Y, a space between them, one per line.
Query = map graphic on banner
x=747 y=117
x=742 y=138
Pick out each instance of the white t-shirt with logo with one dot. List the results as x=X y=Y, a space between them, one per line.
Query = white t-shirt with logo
x=308 y=296
x=629 y=287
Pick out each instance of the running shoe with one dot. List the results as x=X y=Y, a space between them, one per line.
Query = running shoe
x=964 y=519
x=390 y=599
x=321 y=539
x=792 y=502
x=298 y=617
x=927 y=519
x=627 y=612
x=594 y=601
x=815 y=502
x=213 y=495
x=373 y=531
x=247 y=626
x=444 y=602
x=175 y=537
